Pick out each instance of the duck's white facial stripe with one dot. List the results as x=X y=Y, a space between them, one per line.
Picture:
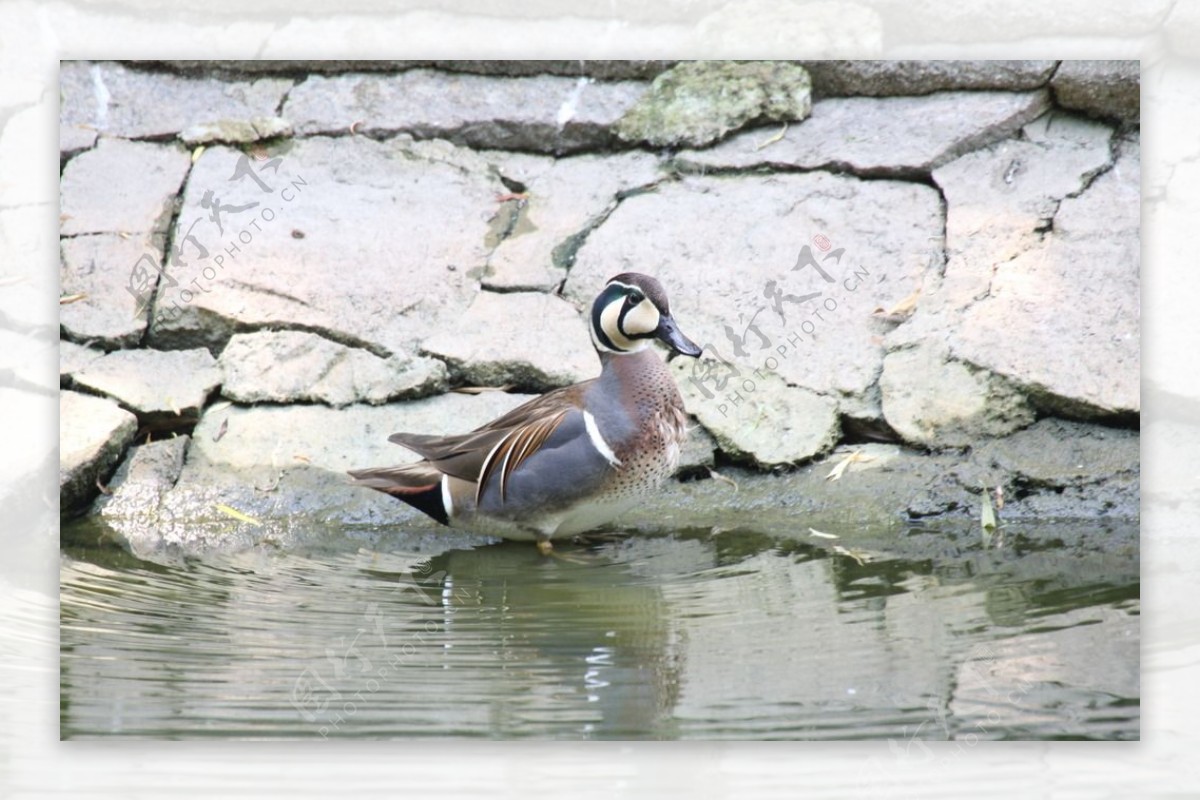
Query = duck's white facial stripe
x=593 y=430
x=610 y=321
x=641 y=319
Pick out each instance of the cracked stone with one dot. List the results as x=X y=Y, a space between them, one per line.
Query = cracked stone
x=728 y=249
x=140 y=483
x=1042 y=282
x=299 y=367
x=122 y=187
x=901 y=136
x=1059 y=453
x=1100 y=88
x=1001 y=201
x=92 y=435
x=74 y=139
x=107 y=270
x=885 y=78
x=565 y=198
x=72 y=358
x=545 y=345
x=155 y=384
x=934 y=400
x=368 y=244
x=116 y=100
x=697 y=103
x=771 y=424
x=543 y=113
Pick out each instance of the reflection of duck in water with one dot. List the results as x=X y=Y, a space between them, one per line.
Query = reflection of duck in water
x=548 y=648
x=572 y=459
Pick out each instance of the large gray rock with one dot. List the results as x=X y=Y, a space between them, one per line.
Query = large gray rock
x=934 y=400
x=1042 y=283
x=530 y=340
x=698 y=102
x=138 y=486
x=760 y=419
x=369 y=244
x=1109 y=89
x=117 y=100
x=566 y=198
x=117 y=276
x=730 y=249
x=896 y=136
x=121 y=187
x=155 y=384
x=299 y=367
x=92 y=435
x=886 y=78
x=544 y=114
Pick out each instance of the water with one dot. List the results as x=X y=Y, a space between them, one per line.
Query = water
x=691 y=635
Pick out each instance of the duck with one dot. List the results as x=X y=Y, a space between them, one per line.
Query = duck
x=571 y=460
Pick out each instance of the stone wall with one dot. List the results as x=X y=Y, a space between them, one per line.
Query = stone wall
x=939 y=255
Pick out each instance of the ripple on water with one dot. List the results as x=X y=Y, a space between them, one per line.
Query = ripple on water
x=690 y=635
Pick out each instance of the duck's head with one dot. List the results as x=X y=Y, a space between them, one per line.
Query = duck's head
x=630 y=312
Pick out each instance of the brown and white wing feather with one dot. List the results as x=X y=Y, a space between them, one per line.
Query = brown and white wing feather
x=503 y=444
x=516 y=446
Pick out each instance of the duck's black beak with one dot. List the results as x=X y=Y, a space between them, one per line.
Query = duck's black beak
x=669 y=333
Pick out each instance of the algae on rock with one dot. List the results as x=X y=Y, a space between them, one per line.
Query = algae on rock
x=697 y=103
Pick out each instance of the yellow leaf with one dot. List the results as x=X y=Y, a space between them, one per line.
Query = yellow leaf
x=236 y=515
x=812 y=532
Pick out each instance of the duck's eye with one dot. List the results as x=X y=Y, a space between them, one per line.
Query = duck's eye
x=634 y=298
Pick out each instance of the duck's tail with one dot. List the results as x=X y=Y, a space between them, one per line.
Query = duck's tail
x=419 y=485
